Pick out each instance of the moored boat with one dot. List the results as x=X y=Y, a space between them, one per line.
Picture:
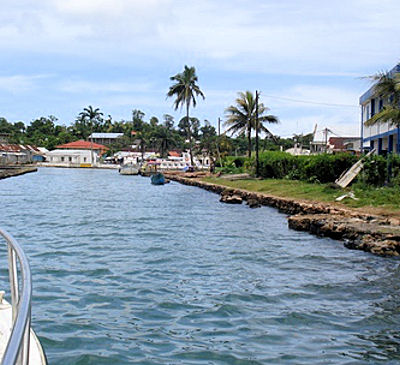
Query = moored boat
x=158 y=179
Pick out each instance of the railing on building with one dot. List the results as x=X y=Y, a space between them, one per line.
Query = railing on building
x=17 y=350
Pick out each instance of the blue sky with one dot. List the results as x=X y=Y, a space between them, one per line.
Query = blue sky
x=58 y=57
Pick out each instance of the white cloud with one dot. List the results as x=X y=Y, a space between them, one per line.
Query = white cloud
x=20 y=83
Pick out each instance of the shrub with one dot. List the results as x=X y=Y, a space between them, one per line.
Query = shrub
x=317 y=168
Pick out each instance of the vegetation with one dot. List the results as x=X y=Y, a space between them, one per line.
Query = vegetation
x=185 y=90
x=242 y=117
x=387 y=199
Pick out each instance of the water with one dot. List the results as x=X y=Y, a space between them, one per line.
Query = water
x=125 y=272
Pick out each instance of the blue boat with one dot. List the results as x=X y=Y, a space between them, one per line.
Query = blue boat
x=158 y=179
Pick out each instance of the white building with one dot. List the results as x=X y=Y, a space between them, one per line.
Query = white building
x=382 y=136
x=71 y=158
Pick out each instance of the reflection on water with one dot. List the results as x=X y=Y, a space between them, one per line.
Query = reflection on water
x=127 y=272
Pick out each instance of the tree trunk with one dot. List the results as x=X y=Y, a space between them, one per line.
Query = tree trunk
x=249 y=138
x=189 y=134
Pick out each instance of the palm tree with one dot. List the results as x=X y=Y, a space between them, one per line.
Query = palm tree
x=92 y=115
x=388 y=87
x=185 y=89
x=242 y=117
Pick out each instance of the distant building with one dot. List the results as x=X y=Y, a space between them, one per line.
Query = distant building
x=344 y=144
x=385 y=138
x=11 y=153
x=84 y=145
x=71 y=158
x=105 y=138
x=321 y=143
x=76 y=154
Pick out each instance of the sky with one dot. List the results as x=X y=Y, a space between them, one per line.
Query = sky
x=307 y=58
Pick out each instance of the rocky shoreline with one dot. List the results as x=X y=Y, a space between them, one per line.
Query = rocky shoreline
x=371 y=233
x=6 y=172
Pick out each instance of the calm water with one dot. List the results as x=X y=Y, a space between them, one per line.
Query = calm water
x=125 y=272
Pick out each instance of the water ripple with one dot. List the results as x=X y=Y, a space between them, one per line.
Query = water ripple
x=126 y=272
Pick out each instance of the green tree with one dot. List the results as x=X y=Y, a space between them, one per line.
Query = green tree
x=242 y=117
x=92 y=115
x=388 y=88
x=185 y=90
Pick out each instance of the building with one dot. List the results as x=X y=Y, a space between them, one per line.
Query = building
x=385 y=138
x=13 y=154
x=105 y=138
x=84 y=145
x=76 y=154
x=71 y=158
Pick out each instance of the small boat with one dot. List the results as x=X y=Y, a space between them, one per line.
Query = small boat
x=129 y=169
x=158 y=179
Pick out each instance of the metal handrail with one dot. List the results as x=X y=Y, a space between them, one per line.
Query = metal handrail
x=17 y=350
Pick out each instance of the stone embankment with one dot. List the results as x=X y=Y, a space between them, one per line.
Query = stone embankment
x=15 y=171
x=372 y=233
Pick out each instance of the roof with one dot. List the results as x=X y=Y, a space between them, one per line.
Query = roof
x=174 y=154
x=83 y=145
x=106 y=135
x=68 y=152
x=370 y=92
x=12 y=147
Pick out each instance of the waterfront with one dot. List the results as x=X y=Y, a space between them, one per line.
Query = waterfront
x=127 y=272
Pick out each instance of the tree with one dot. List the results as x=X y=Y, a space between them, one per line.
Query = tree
x=185 y=90
x=92 y=115
x=242 y=117
x=388 y=88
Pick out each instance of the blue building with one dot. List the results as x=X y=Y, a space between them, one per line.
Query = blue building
x=384 y=137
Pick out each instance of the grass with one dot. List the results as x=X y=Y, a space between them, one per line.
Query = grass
x=385 y=199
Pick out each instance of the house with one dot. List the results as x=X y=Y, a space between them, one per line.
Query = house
x=105 y=138
x=11 y=153
x=71 y=158
x=84 y=145
x=385 y=138
x=344 y=144
x=76 y=154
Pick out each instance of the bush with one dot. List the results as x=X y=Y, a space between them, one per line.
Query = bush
x=318 y=168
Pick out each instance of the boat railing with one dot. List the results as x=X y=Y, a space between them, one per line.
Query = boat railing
x=17 y=350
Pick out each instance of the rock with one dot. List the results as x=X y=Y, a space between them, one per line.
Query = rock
x=253 y=203
x=231 y=199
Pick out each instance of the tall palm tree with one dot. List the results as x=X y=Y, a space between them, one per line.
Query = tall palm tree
x=388 y=87
x=242 y=117
x=92 y=115
x=185 y=90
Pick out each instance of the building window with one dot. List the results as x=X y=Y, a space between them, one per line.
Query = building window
x=84 y=159
x=69 y=159
x=372 y=107
x=62 y=159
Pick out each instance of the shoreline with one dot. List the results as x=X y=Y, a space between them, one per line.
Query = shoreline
x=367 y=232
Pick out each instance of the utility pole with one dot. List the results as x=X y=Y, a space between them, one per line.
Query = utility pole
x=325 y=132
x=257 y=160
x=219 y=127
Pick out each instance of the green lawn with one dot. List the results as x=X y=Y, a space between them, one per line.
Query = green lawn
x=385 y=198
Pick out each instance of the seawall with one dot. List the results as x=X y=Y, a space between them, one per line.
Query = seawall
x=6 y=172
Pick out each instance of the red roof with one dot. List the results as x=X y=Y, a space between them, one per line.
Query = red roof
x=174 y=154
x=83 y=145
